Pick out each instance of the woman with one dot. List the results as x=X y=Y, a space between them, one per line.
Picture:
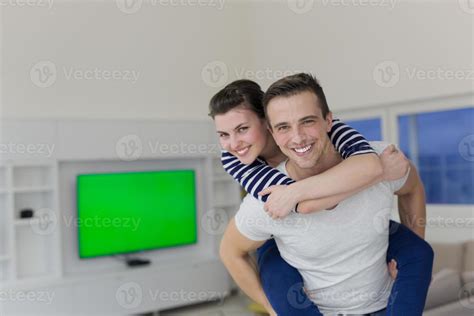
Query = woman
x=251 y=154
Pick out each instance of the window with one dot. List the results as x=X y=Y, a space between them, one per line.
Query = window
x=441 y=145
x=370 y=128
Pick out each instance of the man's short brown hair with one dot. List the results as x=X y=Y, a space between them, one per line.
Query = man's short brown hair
x=294 y=84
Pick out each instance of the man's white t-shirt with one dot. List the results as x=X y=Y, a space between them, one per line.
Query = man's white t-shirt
x=340 y=253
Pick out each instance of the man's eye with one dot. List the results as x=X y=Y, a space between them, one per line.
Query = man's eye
x=307 y=122
x=282 y=128
x=223 y=136
x=243 y=129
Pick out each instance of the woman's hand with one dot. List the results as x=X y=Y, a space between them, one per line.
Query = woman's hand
x=395 y=164
x=280 y=202
x=392 y=269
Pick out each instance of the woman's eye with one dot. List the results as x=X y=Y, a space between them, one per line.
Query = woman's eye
x=223 y=135
x=243 y=129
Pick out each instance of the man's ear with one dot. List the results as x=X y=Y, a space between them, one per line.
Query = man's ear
x=269 y=127
x=329 y=121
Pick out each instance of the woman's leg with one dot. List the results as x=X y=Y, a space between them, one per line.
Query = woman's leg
x=283 y=284
x=414 y=257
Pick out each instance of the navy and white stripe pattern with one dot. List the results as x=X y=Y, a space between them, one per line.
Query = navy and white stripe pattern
x=348 y=141
x=258 y=175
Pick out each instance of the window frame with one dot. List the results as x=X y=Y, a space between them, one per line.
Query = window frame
x=389 y=113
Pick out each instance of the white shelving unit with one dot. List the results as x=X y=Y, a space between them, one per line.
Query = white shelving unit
x=225 y=197
x=28 y=246
x=36 y=254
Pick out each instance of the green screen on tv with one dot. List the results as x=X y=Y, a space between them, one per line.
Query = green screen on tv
x=135 y=211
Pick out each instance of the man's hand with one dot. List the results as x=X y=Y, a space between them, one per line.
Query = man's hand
x=280 y=202
x=395 y=164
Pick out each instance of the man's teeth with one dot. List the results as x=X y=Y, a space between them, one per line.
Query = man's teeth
x=303 y=150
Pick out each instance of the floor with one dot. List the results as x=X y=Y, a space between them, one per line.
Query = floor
x=234 y=305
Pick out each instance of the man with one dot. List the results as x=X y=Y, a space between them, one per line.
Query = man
x=340 y=253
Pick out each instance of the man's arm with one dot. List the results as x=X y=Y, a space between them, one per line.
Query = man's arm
x=412 y=203
x=234 y=253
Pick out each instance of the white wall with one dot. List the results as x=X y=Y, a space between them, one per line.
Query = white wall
x=341 y=42
x=168 y=46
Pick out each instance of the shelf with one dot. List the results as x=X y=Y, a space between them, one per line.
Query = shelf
x=26 y=222
x=38 y=176
x=33 y=189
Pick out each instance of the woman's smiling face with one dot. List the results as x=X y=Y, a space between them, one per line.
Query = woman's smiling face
x=242 y=133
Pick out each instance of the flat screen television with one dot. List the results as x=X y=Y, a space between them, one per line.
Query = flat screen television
x=134 y=211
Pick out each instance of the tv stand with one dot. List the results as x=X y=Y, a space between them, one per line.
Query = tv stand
x=137 y=262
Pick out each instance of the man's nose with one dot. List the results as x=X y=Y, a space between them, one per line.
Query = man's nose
x=298 y=136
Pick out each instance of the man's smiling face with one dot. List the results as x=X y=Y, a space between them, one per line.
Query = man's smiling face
x=299 y=129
